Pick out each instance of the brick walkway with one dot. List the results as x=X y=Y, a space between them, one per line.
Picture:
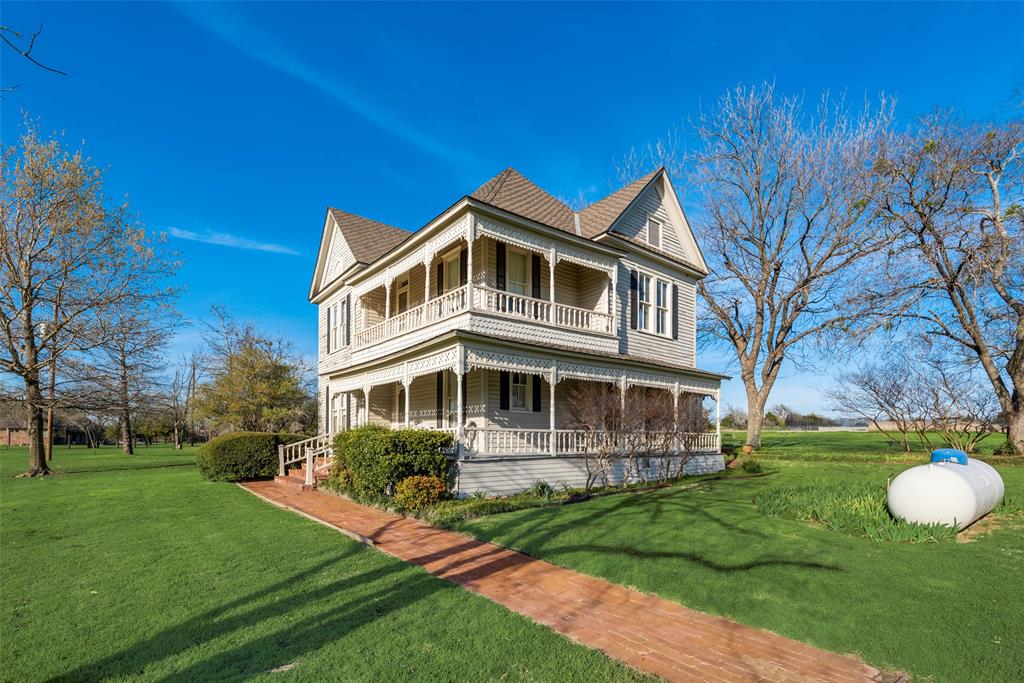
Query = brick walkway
x=646 y=632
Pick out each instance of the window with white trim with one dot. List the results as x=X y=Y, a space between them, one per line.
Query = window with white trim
x=643 y=308
x=335 y=416
x=402 y=297
x=519 y=391
x=332 y=328
x=452 y=271
x=517 y=271
x=661 y=320
x=654 y=233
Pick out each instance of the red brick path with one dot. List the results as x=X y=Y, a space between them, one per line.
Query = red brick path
x=646 y=632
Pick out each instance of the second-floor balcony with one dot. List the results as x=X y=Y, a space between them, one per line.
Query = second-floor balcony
x=491 y=283
x=486 y=300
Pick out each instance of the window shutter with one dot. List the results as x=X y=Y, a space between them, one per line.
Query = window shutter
x=347 y=407
x=675 y=311
x=499 y=258
x=535 y=274
x=536 y=393
x=463 y=266
x=440 y=399
x=325 y=329
x=503 y=379
x=439 y=284
x=633 y=276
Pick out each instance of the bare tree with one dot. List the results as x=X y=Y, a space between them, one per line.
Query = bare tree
x=960 y=409
x=786 y=221
x=594 y=415
x=887 y=396
x=955 y=194
x=67 y=259
x=23 y=44
x=786 y=225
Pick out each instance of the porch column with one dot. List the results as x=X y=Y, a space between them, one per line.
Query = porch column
x=552 y=260
x=405 y=387
x=551 y=410
x=366 y=405
x=613 y=283
x=470 y=236
x=460 y=373
x=387 y=299
x=426 y=287
x=718 y=419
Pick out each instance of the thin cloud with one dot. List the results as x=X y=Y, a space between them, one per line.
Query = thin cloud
x=261 y=46
x=227 y=240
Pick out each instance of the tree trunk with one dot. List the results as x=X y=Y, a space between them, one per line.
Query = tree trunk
x=49 y=430
x=1015 y=430
x=177 y=438
x=755 y=412
x=36 y=446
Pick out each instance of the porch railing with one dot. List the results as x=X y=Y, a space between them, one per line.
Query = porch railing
x=578 y=442
x=315 y=452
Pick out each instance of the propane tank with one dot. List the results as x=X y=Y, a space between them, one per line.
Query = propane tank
x=953 y=490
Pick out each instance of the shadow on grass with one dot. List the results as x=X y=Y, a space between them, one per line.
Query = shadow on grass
x=540 y=530
x=309 y=611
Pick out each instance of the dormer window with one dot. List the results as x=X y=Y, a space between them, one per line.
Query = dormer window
x=654 y=233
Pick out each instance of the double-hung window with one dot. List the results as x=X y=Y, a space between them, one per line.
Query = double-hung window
x=517 y=270
x=643 y=311
x=332 y=328
x=661 y=319
x=652 y=301
x=519 y=391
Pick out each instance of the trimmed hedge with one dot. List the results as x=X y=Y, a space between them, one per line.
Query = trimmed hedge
x=371 y=460
x=240 y=456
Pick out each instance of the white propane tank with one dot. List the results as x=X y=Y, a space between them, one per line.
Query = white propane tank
x=947 y=493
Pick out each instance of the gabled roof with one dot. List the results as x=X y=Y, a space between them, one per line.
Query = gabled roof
x=367 y=239
x=597 y=218
x=511 y=191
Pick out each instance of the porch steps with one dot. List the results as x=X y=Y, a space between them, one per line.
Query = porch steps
x=296 y=478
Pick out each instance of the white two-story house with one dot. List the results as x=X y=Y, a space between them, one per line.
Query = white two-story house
x=481 y=321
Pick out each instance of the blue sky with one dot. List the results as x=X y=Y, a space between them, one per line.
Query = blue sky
x=233 y=126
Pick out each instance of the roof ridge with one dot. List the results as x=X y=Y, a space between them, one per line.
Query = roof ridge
x=502 y=177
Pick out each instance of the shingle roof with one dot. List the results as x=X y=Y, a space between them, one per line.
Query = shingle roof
x=512 y=191
x=368 y=239
x=599 y=216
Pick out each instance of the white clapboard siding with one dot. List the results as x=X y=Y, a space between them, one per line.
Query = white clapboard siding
x=511 y=475
x=650 y=204
x=645 y=344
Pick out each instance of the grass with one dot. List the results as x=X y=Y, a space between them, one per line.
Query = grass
x=851 y=447
x=855 y=508
x=951 y=611
x=137 y=569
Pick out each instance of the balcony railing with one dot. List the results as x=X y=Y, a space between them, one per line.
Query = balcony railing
x=448 y=304
x=492 y=301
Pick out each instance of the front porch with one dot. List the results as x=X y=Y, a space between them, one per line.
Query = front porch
x=503 y=404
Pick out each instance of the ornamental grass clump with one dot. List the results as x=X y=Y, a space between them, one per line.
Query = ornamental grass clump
x=850 y=508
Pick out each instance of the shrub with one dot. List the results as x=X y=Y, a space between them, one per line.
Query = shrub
x=751 y=465
x=419 y=492
x=241 y=455
x=371 y=460
x=851 y=508
x=542 y=489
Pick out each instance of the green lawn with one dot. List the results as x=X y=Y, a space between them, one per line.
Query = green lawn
x=845 y=446
x=951 y=611
x=137 y=569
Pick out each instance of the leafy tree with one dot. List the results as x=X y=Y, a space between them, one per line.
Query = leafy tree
x=257 y=384
x=68 y=258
